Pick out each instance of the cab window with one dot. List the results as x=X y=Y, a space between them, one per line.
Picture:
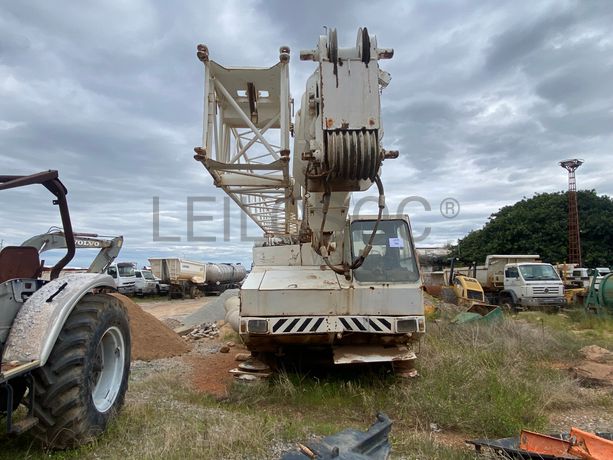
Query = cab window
x=391 y=258
x=511 y=272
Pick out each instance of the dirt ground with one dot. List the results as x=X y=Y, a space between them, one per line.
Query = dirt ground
x=205 y=366
x=210 y=372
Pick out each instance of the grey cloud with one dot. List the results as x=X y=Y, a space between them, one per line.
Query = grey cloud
x=512 y=46
x=485 y=98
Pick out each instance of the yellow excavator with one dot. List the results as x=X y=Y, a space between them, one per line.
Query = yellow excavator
x=466 y=291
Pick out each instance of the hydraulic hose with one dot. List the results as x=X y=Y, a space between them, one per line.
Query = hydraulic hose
x=358 y=261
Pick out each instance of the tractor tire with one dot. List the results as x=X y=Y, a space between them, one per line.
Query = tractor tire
x=83 y=383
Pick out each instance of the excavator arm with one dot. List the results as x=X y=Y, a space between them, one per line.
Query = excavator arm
x=109 y=246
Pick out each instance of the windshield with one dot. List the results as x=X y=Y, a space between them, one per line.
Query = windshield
x=148 y=275
x=538 y=272
x=391 y=258
x=125 y=270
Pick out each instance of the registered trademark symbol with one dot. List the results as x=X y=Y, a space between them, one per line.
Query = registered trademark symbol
x=450 y=208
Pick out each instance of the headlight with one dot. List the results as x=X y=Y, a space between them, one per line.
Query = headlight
x=406 y=325
x=258 y=326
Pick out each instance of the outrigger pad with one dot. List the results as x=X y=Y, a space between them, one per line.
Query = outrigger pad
x=349 y=444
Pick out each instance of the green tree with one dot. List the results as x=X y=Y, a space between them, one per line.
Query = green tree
x=538 y=225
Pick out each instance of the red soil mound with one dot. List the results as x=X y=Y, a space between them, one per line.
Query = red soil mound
x=151 y=339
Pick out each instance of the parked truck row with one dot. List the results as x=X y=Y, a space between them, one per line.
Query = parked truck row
x=188 y=278
x=516 y=281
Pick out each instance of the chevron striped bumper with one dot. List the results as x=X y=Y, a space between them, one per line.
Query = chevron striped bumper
x=333 y=324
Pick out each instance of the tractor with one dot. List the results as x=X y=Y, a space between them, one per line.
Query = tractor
x=64 y=341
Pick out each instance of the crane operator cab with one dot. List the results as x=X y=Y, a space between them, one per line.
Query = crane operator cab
x=392 y=257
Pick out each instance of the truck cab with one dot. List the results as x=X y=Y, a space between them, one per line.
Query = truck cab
x=124 y=276
x=145 y=283
x=533 y=284
x=371 y=313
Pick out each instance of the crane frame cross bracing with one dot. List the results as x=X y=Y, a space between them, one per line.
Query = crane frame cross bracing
x=243 y=106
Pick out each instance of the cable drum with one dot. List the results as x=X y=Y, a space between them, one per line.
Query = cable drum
x=352 y=154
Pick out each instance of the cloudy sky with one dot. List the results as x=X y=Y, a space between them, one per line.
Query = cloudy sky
x=485 y=99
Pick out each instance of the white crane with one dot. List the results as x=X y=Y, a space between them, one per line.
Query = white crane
x=321 y=278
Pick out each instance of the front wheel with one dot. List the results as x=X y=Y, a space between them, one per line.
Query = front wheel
x=83 y=384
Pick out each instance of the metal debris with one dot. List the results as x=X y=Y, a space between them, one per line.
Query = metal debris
x=577 y=445
x=479 y=312
x=371 y=354
x=349 y=444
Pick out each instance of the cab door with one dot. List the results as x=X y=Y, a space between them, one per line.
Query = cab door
x=512 y=280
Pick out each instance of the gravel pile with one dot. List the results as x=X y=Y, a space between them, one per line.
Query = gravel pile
x=203 y=331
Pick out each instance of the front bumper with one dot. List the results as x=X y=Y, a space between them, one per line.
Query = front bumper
x=543 y=301
x=126 y=290
x=332 y=324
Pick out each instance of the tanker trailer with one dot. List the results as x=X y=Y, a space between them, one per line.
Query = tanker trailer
x=220 y=277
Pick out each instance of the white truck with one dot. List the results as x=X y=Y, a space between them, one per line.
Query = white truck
x=346 y=286
x=146 y=284
x=521 y=281
x=124 y=276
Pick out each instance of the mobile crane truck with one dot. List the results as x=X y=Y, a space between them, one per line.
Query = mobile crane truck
x=321 y=279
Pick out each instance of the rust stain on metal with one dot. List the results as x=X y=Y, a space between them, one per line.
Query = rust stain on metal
x=10 y=365
x=203 y=53
x=386 y=54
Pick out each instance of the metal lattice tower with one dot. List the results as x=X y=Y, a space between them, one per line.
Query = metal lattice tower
x=574 y=241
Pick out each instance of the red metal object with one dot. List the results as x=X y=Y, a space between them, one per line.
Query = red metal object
x=588 y=446
x=543 y=444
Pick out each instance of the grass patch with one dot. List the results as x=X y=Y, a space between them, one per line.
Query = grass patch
x=479 y=380
x=474 y=381
x=587 y=328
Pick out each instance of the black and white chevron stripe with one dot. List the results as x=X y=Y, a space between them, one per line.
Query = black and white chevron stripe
x=300 y=325
x=323 y=324
x=365 y=324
